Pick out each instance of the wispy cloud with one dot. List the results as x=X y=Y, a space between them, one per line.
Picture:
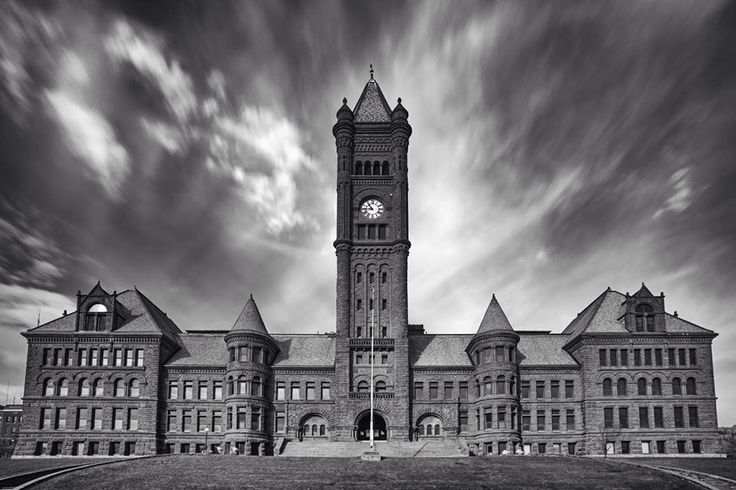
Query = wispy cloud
x=681 y=195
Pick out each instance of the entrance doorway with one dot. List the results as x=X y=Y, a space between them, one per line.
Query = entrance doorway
x=364 y=427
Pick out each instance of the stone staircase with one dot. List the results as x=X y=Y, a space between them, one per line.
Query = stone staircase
x=432 y=448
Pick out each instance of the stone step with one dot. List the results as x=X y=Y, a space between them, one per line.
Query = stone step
x=391 y=449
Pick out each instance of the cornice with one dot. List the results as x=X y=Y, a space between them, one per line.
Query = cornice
x=278 y=370
x=195 y=369
x=74 y=338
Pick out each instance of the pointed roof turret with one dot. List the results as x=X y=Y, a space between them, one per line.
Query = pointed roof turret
x=494 y=319
x=644 y=292
x=250 y=319
x=372 y=106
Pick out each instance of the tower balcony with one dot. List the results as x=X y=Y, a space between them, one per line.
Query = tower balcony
x=367 y=396
x=380 y=343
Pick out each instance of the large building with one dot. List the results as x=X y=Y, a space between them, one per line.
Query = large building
x=117 y=376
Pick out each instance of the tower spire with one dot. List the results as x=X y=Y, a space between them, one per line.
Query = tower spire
x=371 y=71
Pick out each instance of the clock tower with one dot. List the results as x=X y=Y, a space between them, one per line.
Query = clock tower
x=372 y=247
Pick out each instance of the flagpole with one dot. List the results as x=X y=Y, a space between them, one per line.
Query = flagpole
x=373 y=314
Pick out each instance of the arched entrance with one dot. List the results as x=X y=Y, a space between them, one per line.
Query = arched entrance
x=364 y=427
x=429 y=426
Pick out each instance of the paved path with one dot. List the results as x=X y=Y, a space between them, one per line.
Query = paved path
x=707 y=480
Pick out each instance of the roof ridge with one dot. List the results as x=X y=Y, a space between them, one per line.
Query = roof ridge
x=598 y=301
x=147 y=303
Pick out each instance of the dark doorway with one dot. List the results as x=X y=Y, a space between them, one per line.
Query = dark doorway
x=379 y=427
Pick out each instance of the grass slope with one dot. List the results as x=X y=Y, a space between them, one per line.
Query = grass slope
x=725 y=467
x=278 y=472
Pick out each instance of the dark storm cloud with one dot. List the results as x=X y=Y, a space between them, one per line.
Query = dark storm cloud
x=558 y=148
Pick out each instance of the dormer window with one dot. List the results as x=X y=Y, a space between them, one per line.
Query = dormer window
x=644 y=318
x=95 y=319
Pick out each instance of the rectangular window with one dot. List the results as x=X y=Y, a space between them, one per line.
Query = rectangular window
x=418 y=390
x=658 y=357
x=697 y=447
x=281 y=390
x=608 y=418
x=243 y=353
x=258 y=355
x=129 y=357
x=433 y=390
x=463 y=390
x=448 y=390
x=173 y=390
x=625 y=447
x=647 y=357
x=96 y=419
x=217 y=421
x=623 y=417
x=201 y=420
x=644 y=417
x=93 y=361
x=679 y=418
x=646 y=447
x=637 y=357
x=358 y=358
x=693 y=419
x=358 y=278
x=202 y=390
x=671 y=359
x=540 y=389
x=613 y=358
x=371 y=277
x=139 y=357
x=658 y=417
x=132 y=418
x=681 y=357
x=325 y=391
x=499 y=353
x=171 y=421
x=569 y=388
x=603 y=361
x=488 y=418
x=58 y=357
x=570 y=419
x=81 y=418
x=46 y=357
x=280 y=422
x=186 y=421
x=60 y=419
x=118 y=357
x=555 y=420
x=105 y=357
x=295 y=395
x=359 y=306
x=188 y=390
x=255 y=418
x=693 y=358
x=384 y=304
x=463 y=419
x=240 y=418
x=82 y=361
x=554 y=388
x=217 y=387
x=541 y=420
x=624 y=357
x=311 y=392
x=542 y=448
x=525 y=388
x=526 y=420
x=117 y=419
x=502 y=417
x=661 y=447
x=681 y=448
x=184 y=448
x=384 y=277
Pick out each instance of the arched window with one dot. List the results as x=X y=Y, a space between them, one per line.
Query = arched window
x=656 y=386
x=95 y=318
x=322 y=430
x=691 y=387
x=641 y=386
x=83 y=387
x=512 y=386
x=242 y=383
x=367 y=168
x=477 y=389
x=256 y=386
x=63 y=387
x=621 y=387
x=644 y=318
x=119 y=388
x=676 y=386
x=48 y=387
x=230 y=386
x=363 y=387
x=607 y=387
x=358 y=168
x=385 y=168
x=429 y=429
x=380 y=386
x=501 y=385
x=314 y=430
x=376 y=168
x=134 y=388
x=487 y=386
x=421 y=430
x=98 y=387
x=437 y=430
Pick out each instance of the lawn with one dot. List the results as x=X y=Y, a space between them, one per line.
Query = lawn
x=277 y=472
x=725 y=467
x=17 y=466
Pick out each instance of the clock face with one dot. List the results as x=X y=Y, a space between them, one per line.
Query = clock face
x=371 y=209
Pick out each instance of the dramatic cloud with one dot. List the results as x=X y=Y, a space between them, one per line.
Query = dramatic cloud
x=558 y=149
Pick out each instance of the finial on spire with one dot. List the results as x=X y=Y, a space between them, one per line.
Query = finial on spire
x=371 y=71
x=344 y=100
x=399 y=100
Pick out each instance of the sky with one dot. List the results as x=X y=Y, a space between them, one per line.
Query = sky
x=185 y=148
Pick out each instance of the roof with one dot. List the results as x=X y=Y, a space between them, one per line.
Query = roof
x=372 y=106
x=138 y=315
x=494 y=319
x=250 y=319
x=305 y=350
x=439 y=350
x=676 y=324
x=537 y=349
x=200 y=349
